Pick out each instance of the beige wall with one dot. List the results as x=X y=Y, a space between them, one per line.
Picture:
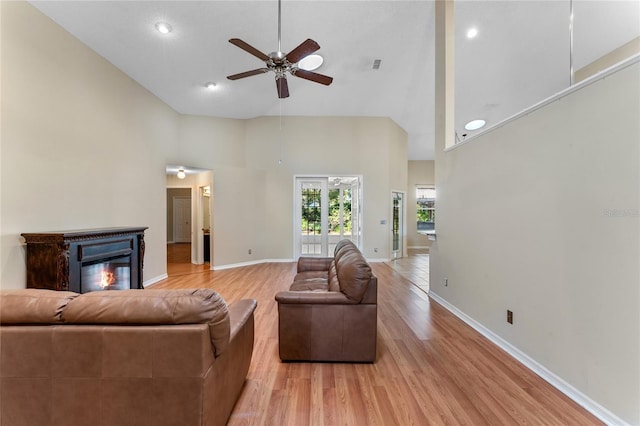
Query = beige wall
x=84 y=146
x=623 y=52
x=420 y=173
x=540 y=216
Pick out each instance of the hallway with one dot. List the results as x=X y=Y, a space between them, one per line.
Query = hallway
x=179 y=260
x=414 y=268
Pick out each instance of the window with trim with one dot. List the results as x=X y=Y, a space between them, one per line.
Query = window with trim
x=426 y=207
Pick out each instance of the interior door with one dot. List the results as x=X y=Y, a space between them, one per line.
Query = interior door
x=182 y=219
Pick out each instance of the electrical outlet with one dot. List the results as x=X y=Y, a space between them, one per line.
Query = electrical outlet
x=249 y=251
x=446 y=282
x=509 y=317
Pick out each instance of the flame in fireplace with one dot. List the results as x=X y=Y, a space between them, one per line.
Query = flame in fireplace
x=108 y=278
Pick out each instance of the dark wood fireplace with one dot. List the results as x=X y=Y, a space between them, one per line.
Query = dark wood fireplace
x=86 y=260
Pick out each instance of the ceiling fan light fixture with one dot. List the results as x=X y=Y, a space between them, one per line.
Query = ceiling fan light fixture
x=181 y=174
x=210 y=86
x=475 y=124
x=163 y=28
x=310 y=62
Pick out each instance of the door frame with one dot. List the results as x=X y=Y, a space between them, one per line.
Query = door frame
x=195 y=179
x=297 y=207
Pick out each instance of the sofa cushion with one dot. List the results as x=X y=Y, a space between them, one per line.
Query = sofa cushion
x=33 y=306
x=341 y=245
x=185 y=306
x=311 y=284
x=307 y=263
x=354 y=274
x=307 y=275
x=334 y=284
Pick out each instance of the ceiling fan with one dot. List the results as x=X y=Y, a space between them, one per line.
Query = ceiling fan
x=281 y=63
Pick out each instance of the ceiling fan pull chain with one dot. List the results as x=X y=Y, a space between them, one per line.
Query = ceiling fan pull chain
x=279 y=28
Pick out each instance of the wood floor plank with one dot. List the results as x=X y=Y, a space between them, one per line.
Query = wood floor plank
x=431 y=368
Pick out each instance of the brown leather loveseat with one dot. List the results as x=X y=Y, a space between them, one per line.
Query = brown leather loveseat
x=130 y=357
x=330 y=311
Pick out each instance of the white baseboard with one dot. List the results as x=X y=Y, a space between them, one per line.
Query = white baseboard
x=587 y=403
x=154 y=280
x=377 y=260
x=252 y=262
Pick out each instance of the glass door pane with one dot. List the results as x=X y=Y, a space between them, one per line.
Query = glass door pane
x=398 y=223
x=326 y=211
x=313 y=239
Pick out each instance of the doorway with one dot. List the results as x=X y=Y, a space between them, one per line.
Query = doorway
x=189 y=220
x=327 y=210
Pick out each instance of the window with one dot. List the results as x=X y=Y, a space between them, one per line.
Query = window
x=426 y=208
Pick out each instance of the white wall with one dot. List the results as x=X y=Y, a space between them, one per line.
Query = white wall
x=84 y=146
x=541 y=217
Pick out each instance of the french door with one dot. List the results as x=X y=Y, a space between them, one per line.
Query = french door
x=397 y=226
x=327 y=210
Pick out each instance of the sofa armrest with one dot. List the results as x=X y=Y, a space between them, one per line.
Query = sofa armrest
x=314 y=264
x=313 y=297
x=239 y=313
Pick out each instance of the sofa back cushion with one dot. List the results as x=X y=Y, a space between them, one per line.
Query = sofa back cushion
x=185 y=306
x=334 y=284
x=342 y=244
x=33 y=306
x=353 y=271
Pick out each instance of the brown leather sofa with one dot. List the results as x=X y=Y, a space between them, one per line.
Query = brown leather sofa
x=130 y=357
x=330 y=311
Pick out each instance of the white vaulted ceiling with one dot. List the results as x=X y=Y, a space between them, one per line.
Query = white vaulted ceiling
x=519 y=57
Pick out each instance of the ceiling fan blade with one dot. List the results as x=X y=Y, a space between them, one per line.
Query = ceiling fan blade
x=313 y=76
x=248 y=48
x=247 y=73
x=282 y=86
x=305 y=48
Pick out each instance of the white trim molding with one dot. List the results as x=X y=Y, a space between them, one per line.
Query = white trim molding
x=252 y=262
x=155 y=280
x=580 y=398
x=561 y=94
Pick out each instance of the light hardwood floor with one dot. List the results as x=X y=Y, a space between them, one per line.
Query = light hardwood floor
x=431 y=368
x=414 y=267
x=179 y=260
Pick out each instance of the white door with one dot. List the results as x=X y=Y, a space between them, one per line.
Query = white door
x=327 y=210
x=311 y=217
x=182 y=219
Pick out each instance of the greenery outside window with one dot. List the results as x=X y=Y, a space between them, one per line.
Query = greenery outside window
x=426 y=207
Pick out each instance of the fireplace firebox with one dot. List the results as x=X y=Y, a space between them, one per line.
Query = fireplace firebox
x=86 y=260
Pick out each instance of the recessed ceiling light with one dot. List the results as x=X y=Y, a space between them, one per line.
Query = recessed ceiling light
x=163 y=27
x=472 y=33
x=310 y=62
x=210 y=86
x=475 y=124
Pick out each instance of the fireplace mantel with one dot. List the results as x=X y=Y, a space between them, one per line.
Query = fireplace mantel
x=55 y=260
